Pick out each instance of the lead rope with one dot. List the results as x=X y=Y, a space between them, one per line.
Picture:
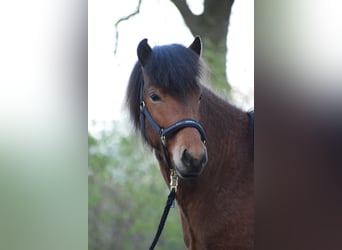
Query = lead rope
x=169 y=202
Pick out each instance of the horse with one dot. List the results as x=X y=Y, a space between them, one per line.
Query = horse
x=209 y=144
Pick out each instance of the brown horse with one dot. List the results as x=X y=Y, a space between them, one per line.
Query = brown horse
x=215 y=191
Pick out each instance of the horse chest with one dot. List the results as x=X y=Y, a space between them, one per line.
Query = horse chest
x=215 y=221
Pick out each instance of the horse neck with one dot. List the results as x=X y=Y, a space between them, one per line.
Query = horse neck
x=226 y=127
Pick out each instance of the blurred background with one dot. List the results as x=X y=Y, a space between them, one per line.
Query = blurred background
x=126 y=191
x=48 y=132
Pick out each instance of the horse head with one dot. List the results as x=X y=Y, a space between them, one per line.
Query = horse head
x=171 y=92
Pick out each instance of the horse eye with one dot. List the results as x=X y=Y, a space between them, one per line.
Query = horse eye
x=155 y=98
x=200 y=98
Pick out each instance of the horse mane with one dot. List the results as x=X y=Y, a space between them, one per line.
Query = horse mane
x=174 y=68
x=132 y=95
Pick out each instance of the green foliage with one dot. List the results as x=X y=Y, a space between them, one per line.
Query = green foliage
x=127 y=195
x=214 y=55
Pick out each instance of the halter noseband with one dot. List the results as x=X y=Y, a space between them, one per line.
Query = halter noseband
x=165 y=132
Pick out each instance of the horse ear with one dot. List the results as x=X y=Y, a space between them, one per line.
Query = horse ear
x=144 y=50
x=196 y=45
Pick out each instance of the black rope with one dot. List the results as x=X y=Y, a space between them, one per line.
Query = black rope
x=168 y=205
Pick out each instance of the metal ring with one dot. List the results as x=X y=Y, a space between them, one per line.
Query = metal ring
x=142 y=105
x=163 y=140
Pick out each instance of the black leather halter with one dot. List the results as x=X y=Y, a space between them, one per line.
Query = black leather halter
x=165 y=132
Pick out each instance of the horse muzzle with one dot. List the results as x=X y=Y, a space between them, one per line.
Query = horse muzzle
x=189 y=164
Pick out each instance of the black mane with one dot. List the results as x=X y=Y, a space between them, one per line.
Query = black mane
x=173 y=68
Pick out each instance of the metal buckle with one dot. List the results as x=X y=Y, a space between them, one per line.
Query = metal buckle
x=173 y=180
x=162 y=137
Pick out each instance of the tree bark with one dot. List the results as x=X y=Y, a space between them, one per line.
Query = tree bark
x=212 y=26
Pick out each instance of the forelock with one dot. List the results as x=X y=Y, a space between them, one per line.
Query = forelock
x=175 y=69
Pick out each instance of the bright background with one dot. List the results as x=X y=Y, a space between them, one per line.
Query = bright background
x=108 y=73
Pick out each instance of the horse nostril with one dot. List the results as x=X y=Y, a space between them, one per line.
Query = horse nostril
x=186 y=158
x=190 y=161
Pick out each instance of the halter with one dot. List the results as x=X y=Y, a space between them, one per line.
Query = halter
x=165 y=132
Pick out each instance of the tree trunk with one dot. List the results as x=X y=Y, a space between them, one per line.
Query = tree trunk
x=212 y=26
